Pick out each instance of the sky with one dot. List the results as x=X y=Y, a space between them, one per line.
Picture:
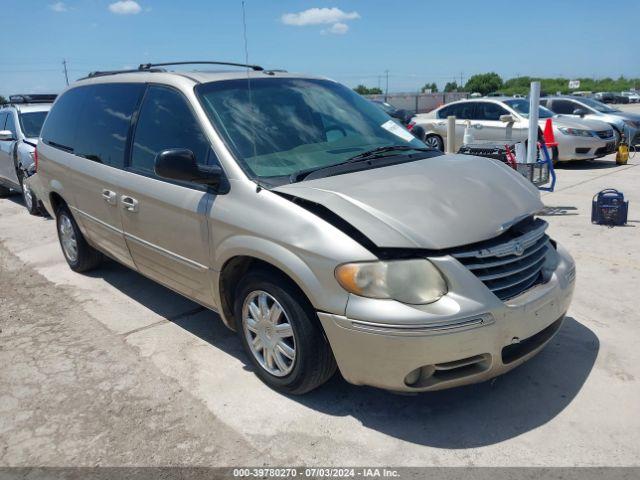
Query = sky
x=351 y=41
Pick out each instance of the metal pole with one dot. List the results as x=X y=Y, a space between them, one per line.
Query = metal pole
x=451 y=134
x=534 y=101
x=386 y=92
x=66 y=75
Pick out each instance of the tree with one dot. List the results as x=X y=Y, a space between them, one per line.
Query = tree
x=484 y=83
x=3 y=100
x=362 y=90
x=430 y=86
x=451 y=87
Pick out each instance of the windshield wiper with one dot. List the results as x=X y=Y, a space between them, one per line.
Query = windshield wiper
x=375 y=152
x=361 y=157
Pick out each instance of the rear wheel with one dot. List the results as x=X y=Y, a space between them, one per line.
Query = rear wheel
x=281 y=334
x=80 y=256
x=434 y=141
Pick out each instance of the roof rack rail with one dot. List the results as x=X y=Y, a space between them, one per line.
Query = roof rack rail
x=102 y=73
x=32 y=98
x=148 y=66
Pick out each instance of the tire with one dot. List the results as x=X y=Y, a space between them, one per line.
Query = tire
x=31 y=202
x=434 y=141
x=312 y=363
x=83 y=257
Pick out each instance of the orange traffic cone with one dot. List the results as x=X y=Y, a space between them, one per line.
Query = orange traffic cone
x=549 y=138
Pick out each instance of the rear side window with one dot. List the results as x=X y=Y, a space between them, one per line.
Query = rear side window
x=444 y=112
x=165 y=122
x=463 y=111
x=104 y=122
x=59 y=128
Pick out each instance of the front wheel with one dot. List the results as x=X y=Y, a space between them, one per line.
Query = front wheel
x=29 y=198
x=281 y=334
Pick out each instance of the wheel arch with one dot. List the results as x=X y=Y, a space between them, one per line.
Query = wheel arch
x=248 y=253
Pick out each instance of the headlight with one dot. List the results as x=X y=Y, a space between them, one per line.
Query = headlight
x=407 y=281
x=632 y=124
x=576 y=132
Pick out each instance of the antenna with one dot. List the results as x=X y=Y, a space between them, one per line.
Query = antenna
x=246 y=59
x=66 y=74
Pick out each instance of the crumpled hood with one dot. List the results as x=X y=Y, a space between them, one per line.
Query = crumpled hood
x=435 y=203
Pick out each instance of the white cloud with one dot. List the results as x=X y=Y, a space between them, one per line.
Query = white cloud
x=336 y=29
x=58 y=7
x=319 y=16
x=125 y=7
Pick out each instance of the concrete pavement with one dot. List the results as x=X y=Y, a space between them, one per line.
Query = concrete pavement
x=114 y=369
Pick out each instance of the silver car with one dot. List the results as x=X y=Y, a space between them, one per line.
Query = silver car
x=590 y=109
x=318 y=228
x=507 y=119
x=20 y=124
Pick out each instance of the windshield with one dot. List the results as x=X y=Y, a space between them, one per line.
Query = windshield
x=31 y=123
x=280 y=126
x=522 y=107
x=598 y=106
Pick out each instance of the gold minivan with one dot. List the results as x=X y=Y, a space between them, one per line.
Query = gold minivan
x=318 y=228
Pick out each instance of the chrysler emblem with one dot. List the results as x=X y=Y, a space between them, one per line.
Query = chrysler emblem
x=518 y=248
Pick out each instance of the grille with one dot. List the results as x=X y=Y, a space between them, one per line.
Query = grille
x=605 y=133
x=512 y=263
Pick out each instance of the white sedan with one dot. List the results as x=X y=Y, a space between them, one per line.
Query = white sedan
x=506 y=119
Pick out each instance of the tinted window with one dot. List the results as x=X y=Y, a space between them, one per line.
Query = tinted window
x=565 y=107
x=31 y=123
x=166 y=122
x=463 y=111
x=489 y=111
x=11 y=125
x=104 y=122
x=444 y=112
x=60 y=126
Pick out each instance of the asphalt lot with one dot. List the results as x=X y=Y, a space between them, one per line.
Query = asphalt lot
x=113 y=369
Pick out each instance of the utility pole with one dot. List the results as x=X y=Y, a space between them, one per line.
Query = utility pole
x=386 y=92
x=66 y=74
x=461 y=74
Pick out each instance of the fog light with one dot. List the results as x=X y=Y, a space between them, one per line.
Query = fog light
x=412 y=378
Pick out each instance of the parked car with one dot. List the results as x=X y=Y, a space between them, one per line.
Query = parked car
x=590 y=109
x=320 y=230
x=611 y=97
x=20 y=123
x=498 y=119
x=634 y=97
x=398 y=113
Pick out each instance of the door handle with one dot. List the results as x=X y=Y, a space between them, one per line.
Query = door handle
x=128 y=203
x=109 y=197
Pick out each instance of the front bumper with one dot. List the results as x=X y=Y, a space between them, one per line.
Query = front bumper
x=472 y=340
x=583 y=148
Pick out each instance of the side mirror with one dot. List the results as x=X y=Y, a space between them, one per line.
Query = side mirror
x=581 y=112
x=6 y=135
x=507 y=118
x=180 y=164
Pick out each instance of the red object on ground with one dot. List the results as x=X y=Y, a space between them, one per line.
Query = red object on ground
x=549 y=138
x=511 y=159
